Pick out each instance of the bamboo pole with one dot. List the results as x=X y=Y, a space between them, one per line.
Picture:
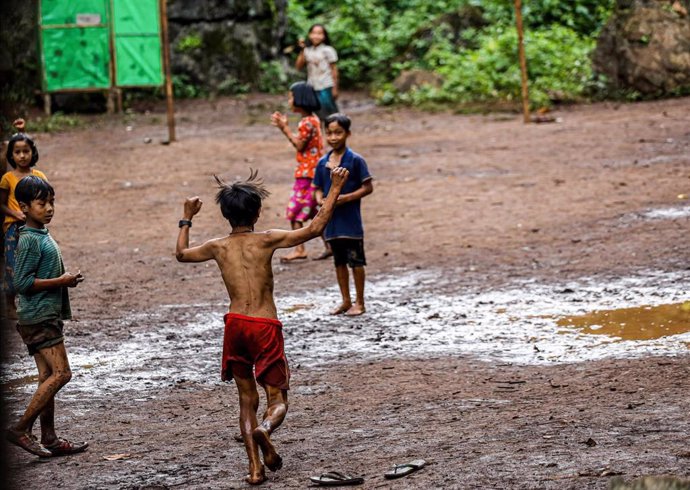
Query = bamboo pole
x=523 y=61
x=165 y=46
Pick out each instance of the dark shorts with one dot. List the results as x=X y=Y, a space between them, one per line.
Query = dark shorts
x=348 y=251
x=41 y=335
x=251 y=342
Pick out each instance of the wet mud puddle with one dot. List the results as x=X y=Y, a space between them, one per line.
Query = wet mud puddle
x=526 y=322
x=641 y=323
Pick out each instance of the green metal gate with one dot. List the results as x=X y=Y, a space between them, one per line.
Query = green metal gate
x=136 y=31
x=91 y=45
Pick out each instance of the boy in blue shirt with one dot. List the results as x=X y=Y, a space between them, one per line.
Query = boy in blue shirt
x=344 y=232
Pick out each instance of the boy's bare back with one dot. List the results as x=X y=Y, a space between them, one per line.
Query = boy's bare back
x=244 y=257
x=244 y=260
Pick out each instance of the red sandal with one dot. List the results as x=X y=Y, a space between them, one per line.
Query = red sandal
x=27 y=443
x=63 y=447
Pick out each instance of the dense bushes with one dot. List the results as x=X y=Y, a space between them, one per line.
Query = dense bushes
x=471 y=44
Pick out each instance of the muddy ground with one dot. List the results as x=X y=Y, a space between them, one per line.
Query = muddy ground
x=475 y=203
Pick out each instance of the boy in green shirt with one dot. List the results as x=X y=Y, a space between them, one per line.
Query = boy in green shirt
x=41 y=281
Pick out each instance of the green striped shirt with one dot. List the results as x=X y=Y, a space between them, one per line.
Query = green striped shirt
x=39 y=257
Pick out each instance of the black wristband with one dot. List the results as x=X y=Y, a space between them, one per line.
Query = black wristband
x=185 y=222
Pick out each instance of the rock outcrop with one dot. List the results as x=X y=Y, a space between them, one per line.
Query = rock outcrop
x=220 y=45
x=645 y=47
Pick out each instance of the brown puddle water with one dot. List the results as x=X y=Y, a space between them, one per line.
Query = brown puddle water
x=640 y=323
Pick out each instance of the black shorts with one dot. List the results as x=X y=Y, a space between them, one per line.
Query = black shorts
x=41 y=335
x=348 y=251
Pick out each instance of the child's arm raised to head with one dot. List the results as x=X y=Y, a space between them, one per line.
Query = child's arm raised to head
x=20 y=124
x=287 y=239
x=183 y=253
x=281 y=121
x=301 y=61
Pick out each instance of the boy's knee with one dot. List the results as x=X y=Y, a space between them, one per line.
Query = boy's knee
x=64 y=376
x=44 y=374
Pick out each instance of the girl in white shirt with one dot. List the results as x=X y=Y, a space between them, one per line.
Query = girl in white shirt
x=322 y=72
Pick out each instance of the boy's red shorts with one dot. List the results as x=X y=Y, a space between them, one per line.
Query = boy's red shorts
x=258 y=342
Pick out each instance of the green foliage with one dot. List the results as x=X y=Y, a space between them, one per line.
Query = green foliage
x=54 y=123
x=189 y=43
x=586 y=17
x=273 y=78
x=184 y=88
x=232 y=86
x=471 y=44
x=558 y=67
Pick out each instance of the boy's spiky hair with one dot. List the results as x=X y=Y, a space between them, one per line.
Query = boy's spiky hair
x=240 y=202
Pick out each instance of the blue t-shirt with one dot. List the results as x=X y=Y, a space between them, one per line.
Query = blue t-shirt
x=347 y=218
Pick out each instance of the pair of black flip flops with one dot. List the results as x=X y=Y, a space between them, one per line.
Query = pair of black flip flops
x=335 y=478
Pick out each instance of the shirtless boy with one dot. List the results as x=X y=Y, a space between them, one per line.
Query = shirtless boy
x=253 y=342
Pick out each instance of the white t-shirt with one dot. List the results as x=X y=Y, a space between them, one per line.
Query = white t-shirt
x=319 y=59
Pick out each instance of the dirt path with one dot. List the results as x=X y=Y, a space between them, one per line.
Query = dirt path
x=478 y=203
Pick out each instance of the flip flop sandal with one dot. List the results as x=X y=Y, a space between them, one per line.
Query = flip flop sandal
x=28 y=443
x=63 y=447
x=400 y=470
x=335 y=478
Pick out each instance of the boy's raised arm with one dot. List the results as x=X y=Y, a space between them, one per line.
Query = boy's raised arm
x=182 y=251
x=287 y=239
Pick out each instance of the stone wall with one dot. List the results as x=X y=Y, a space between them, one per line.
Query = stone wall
x=220 y=45
x=645 y=47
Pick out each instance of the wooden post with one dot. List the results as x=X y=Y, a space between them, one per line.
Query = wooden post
x=110 y=101
x=523 y=60
x=165 y=46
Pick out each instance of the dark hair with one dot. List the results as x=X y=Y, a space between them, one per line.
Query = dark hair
x=304 y=96
x=340 y=118
x=240 y=201
x=29 y=141
x=32 y=187
x=326 y=39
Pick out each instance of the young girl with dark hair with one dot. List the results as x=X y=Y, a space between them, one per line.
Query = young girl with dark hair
x=309 y=145
x=22 y=156
x=322 y=72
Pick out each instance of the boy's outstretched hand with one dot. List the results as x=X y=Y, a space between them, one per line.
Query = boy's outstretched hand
x=71 y=279
x=192 y=206
x=339 y=177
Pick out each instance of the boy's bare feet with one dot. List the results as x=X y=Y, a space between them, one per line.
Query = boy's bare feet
x=27 y=443
x=256 y=477
x=356 y=310
x=291 y=257
x=341 y=309
x=271 y=458
x=323 y=255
